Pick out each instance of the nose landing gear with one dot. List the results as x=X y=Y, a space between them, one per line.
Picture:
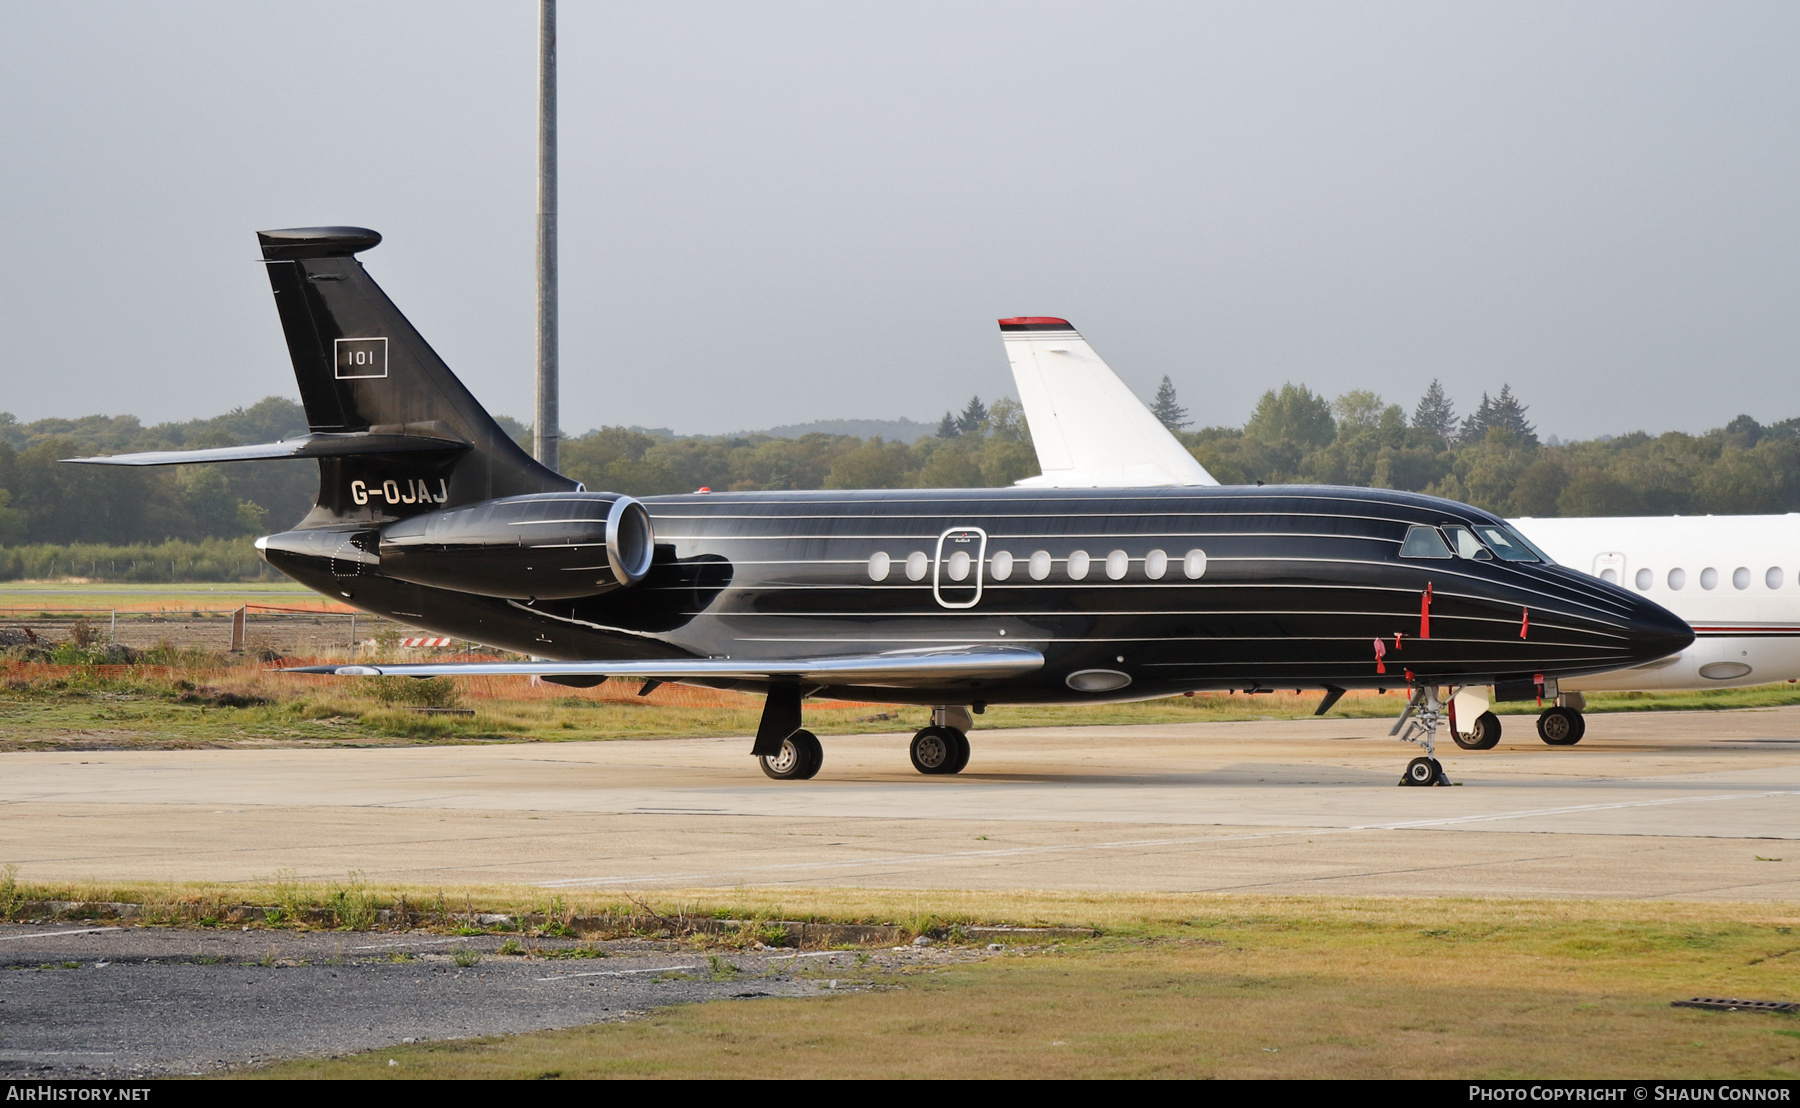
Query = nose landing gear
x=1418 y=725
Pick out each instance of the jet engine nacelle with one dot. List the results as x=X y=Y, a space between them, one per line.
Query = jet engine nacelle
x=549 y=546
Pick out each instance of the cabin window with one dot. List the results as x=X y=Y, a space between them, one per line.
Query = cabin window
x=958 y=566
x=1117 y=564
x=1002 y=565
x=1645 y=579
x=1773 y=577
x=1466 y=544
x=879 y=564
x=1610 y=575
x=1424 y=542
x=916 y=564
x=1039 y=566
x=1511 y=548
x=1677 y=578
x=1078 y=565
x=1156 y=563
x=1740 y=578
x=1194 y=565
x=1709 y=578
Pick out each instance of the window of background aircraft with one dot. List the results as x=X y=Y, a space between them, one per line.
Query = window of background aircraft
x=1465 y=543
x=1677 y=578
x=1510 y=548
x=1424 y=542
x=1773 y=577
x=1645 y=579
x=1610 y=575
x=958 y=566
x=1156 y=563
x=1039 y=566
x=1117 y=563
x=916 y=564
x=1194 y=565
x=1002 y=566
x=1709 y=578
x=1740 y=578
x=1078 y=565
x=878 y=565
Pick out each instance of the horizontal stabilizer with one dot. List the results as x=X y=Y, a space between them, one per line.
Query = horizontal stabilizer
x=896 y=670
x=1090 y=430
x=324 y=445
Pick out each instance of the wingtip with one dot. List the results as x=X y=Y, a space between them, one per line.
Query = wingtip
x=1036 y=323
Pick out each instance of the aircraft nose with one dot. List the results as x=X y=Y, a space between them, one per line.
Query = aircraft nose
x=1656 y=632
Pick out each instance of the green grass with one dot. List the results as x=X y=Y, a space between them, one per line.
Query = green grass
x=1217 y=986
x=151 y=710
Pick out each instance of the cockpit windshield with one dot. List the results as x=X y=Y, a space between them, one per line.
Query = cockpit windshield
x=1506 y=544
x=1465 y=543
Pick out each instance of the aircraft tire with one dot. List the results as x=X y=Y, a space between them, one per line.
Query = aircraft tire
x=934 y=750
x=1485 y=736
x=798 y=760
x=962 y=751
x=1422 y=771
x=1561 y=726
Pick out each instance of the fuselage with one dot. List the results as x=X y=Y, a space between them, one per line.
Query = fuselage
x=1734 y=579
x=1128 y=594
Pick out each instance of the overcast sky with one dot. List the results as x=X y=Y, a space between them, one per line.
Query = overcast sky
x=779 y=212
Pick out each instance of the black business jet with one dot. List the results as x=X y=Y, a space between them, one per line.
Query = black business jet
x=429 y=514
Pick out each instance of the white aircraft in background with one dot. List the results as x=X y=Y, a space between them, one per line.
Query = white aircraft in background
x=1734 y=579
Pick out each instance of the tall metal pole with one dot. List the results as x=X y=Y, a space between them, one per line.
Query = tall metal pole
x=545 y=434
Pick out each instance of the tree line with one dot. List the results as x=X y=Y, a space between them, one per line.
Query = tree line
x=1491 y=457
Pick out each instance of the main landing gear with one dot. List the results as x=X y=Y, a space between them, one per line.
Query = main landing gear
x=943 y=748
x=1418 y=724
x=798 y=759
x=1561 y=726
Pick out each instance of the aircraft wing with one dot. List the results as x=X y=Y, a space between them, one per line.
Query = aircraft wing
x=1089 y=428
x=898 y=669
x=325 y=445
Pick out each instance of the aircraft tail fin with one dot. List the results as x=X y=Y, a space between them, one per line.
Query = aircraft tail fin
x=1089 y=428
x=393 y=430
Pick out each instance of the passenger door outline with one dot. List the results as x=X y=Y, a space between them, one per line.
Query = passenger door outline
x=959 y=538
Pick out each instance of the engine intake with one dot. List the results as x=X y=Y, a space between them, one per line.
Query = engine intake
x=548 y=546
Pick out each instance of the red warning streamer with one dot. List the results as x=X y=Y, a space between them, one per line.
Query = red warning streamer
x=1425 y=613
x=1380 y=651
x=1524 y=621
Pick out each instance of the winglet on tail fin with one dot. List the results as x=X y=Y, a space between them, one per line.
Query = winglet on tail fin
x=1089 y=428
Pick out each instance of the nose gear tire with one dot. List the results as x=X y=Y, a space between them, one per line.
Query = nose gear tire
x=1484 y=736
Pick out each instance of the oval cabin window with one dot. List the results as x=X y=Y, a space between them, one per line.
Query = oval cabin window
x=959 y=566
x=1740 y=578
x=1773 y=577
x=1709 y=578
x=879 y=564
x=1194 y=565
x=1645 y=579
x=1117 y=564
x=1610 y=575
x=1677 y=578
x=1156 y=563
x=1078 y=565
x=1039 y=566
x=1003 y=565
x=916 y=565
